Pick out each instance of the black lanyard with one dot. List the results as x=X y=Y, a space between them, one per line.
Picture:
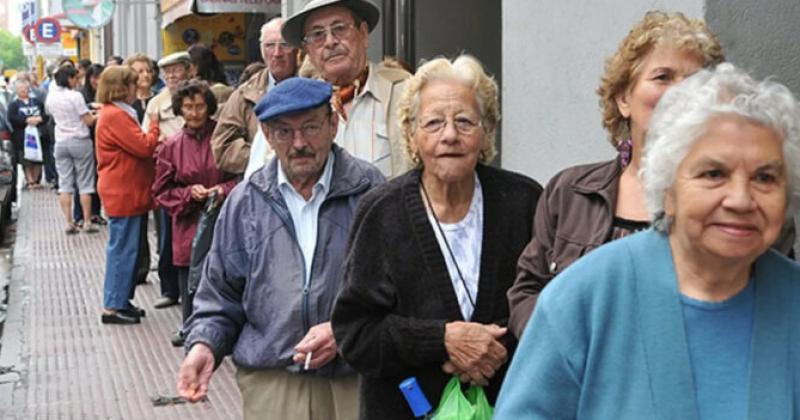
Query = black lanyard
x=447 y=244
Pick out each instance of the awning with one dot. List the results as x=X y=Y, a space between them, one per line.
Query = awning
x=237 y=6
x=172 y=10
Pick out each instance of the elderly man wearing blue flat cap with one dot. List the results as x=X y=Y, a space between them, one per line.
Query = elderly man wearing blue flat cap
x=272 y=272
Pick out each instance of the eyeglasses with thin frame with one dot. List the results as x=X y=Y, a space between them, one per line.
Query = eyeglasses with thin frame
x=285 y=134
x=273 y=46
x=170 y=70
x=317 y=37
x=462 y=124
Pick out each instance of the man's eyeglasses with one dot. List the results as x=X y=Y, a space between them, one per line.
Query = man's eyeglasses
x=284 y=134
x=174 y=69
x=317 y=37
x=463 y=125
x=273 y=46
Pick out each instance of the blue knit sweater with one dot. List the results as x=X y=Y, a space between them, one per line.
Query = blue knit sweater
x=607 y=341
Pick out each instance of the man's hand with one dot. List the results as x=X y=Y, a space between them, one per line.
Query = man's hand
x=319 y=341
x=474 y=350
x=199 y=192
x=195 y=373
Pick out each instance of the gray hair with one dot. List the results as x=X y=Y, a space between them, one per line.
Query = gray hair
x=276 y=21
x=683 y=115
x=465 y=69
x=21 y=81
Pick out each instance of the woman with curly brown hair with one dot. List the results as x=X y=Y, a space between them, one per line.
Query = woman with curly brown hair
x=586 y=206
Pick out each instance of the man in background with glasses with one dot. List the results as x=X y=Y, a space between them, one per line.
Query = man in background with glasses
x=176 y=68
x=334 y=34
x=272 y=272
x=237 y=125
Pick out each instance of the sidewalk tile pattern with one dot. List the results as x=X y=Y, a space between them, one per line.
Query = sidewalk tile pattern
x=71 y=365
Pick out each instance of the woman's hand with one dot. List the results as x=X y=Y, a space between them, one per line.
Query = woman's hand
x=153 y=116
x=199 y=192
x=220 y=193
x=33 y=121
x=475 y=350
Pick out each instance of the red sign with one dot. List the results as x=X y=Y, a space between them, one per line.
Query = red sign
x=48 y=30
x=28 y=32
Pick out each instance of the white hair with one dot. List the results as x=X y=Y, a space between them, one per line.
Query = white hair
x=276 y=21
x=21 y=81
x=682 y=117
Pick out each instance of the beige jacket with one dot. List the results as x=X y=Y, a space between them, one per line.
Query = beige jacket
x=237 y=124
x=391 y=82
x=168 y=122
x=230 y=143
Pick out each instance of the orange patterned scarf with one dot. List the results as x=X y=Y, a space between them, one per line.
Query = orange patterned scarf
x=342 y=95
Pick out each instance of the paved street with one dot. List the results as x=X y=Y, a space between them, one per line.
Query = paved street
x=65 y=363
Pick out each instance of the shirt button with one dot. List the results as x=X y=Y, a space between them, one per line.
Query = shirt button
x=553 y=267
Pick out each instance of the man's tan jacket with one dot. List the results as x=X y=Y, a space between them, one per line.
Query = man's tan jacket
x=237 y=124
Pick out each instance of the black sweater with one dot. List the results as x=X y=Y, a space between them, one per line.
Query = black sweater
x=390 y=316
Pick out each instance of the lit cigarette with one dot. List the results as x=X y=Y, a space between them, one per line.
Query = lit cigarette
x=308 y=361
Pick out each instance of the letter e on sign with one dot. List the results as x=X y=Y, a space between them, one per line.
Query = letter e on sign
x=48 y=30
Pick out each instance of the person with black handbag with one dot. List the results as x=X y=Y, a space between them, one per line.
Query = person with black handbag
x=186 y=176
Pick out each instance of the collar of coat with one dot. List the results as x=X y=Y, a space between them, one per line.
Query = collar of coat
x=667 y=350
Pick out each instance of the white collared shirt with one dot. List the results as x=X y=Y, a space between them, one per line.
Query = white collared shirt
x=364 y=133
x=305 y=214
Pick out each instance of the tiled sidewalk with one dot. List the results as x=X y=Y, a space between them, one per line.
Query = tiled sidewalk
x=66 y=364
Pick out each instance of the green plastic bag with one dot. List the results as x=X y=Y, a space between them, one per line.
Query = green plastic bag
x=457 y=405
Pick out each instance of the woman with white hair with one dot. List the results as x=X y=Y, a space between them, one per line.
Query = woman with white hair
x=696 y=317
x=24 y=111
x=433 y=251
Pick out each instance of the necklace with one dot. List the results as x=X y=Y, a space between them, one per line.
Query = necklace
x=447 y=243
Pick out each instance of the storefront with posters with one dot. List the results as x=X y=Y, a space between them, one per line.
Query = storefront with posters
x=229 y=27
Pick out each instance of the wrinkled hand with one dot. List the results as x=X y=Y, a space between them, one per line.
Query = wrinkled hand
x=195 y=373
x=199 y=192
x=475 y=351
x=319 y=341
x=449 y=368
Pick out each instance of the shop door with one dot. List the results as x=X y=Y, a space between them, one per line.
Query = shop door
x=416 y=30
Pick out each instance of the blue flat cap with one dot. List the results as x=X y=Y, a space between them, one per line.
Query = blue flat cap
x=293 y=95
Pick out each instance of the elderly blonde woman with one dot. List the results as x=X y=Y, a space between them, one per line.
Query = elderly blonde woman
x=433 y=251
x=695 y=318
x=586 y=206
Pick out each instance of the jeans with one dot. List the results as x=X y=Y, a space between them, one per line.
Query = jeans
x=124 y=234
x=167 y=272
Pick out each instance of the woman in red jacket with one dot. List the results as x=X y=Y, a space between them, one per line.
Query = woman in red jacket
x=186 y=175
x=125 y=169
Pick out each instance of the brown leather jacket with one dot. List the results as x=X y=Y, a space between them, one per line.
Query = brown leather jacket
x=575 y=215
x=237 y=124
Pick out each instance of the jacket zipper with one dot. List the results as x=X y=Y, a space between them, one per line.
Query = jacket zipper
x=287 y=218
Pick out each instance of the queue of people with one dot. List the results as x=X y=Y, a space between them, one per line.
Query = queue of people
x=365 y=236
